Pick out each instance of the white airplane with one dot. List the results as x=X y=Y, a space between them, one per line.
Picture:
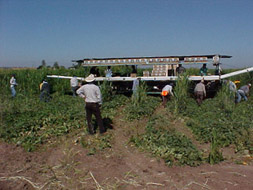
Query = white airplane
x=161 y=67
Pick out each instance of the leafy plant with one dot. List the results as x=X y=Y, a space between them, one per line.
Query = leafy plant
x=96 y=143
x=141 y=104
x=181 y=94
x=215 y=156
x=226 y=98
x=166 y=143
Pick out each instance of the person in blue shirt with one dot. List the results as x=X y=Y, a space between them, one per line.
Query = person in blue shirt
x=108 y=72
x=203 y=70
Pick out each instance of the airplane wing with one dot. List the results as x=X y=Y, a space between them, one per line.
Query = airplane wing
x=161 y=78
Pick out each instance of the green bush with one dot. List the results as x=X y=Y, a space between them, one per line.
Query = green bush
x=29 y=122
x=181 y=94
x=166 y=143
x=141 y=104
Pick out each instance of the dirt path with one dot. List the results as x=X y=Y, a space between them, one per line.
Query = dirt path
x=67 y=165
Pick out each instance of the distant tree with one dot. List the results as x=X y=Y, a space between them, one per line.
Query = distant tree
x=39 y=67
x=76 y=65
x=56 y=65
x=43 y=64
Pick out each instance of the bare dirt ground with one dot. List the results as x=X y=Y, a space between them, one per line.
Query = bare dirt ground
x=65 y=164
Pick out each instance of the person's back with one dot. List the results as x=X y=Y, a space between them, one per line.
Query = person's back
x=200 y=92
x=200 y=87
x=45 y=87
x=92 y=93
x=245 y=88
x=243 y=92
x=166 y=94
x=168 y=88
x=93 y=99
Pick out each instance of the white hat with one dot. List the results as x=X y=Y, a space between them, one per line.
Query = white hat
x=90 y=78
x=249 y=84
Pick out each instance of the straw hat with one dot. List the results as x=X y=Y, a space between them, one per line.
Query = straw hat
x=90 y=78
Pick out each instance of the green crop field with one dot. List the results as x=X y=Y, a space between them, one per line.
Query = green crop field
x=29 y=123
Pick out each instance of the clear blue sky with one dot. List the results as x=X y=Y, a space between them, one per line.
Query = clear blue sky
x=63 y=30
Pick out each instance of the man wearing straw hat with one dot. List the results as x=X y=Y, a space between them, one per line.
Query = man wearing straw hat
x=93 y=99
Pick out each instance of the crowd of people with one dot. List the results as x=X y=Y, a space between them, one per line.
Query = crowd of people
x=200 y=92
x=93 y=98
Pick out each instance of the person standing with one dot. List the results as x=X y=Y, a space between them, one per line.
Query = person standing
x=108 y=72
x=203 y=70
x=74 y=85
x=200 y=92
x=167 y=93
x=13 y=83
x=93 y=100
x=233 y=89
x=218 y=70
x=180 y=70
x=243 y=92
x=44 y=91
x=136 y=84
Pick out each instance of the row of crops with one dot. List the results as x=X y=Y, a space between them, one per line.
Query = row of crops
x=29 y=123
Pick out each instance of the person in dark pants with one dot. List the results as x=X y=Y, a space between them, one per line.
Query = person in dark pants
x=44 y=91
x=93 y=99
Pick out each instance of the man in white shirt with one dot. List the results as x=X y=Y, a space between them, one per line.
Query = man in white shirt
x=167 y=93
x=74 y=85
x=93 y=99
x=13 y=83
